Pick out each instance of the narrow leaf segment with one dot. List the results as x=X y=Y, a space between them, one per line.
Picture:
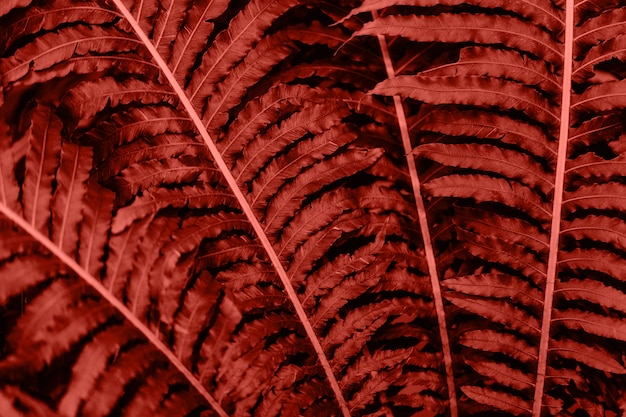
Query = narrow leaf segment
x=119 y=306
x=423 y=222
x=256 y=225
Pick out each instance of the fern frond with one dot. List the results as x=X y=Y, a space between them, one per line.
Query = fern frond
x=42 y=162
x=97 y=214
x=124 y=127
x=594 y=356
x=348 y=290
x=92 y=363
x=598 y=260
x=258 y=366
x=152 y=201
x=382 y=385
x=480 y=28
x=189 y=42
x=243 y=275
x=154 y=147
x=276 y=399
x=232 y=45
x=402 y=280
x=289 y=199
x=357 y=75
x=90 y=98
x=13 y=4
x=228 y=250
x=305 y=153
x=9 y=187
x=261 y=113
x=76 y=295
x=73 y=49
x=591 y=323
x=45 y=17
x=370 y=364
x=373 y=388
x=509 y=164
x=18 y=403
x=71 y=178
x=488 y=125
x=503 y=374
x=268 y=52
x=344 y=265
x=356 y=321
x=593 y=292
x=181 y=171
x=595 y=130
x=498 y=63
x=472 y=90
x=311 y=400
x=607 y=196
x=252 y=335
x=173 y=272
x=501 y=312
x=540 y=13
x=505 y=343
x=483 y=188
x=501 y=400
x=161 y=388
x=166 y=395
x=588 y=68
x=43 y=332
x=600 y=99
x=604 y=229
x=126 y=368
x=339 y=205
x=254 y=299
x=512 y=229
x=416 y=393
x=592 y=167
x=599 y=28
x=313 y=119
x=118 y=264
x=306 y=255
x=496 y=286
x=275 y=204
x=179 y=404
x=33 y=270
x=586 y=8
x=506 y=254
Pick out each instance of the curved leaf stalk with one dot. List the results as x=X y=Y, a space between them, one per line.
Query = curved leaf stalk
x=246 y=208
x=423 y=222
x=117 y=304
x=555 y=229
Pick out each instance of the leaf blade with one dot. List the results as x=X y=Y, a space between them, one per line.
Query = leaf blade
x=247 y=209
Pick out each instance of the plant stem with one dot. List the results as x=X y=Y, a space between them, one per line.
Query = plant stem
x=555 y=229
x=423 y=222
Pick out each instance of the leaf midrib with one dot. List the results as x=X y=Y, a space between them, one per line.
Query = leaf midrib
x=555 y=229
x=424 y=228
x=111 y=299
x=246 y=208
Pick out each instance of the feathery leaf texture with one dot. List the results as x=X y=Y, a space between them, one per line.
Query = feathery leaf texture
x=312 y=208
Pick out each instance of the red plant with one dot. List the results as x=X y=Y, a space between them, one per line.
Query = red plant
x=285 y=208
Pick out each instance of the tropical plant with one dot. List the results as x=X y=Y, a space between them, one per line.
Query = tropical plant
x=312 y=208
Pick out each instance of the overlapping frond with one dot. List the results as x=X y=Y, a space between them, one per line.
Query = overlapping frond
x=102 y=158
x=283 y=208
x=469 y=105
x=471 y=159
